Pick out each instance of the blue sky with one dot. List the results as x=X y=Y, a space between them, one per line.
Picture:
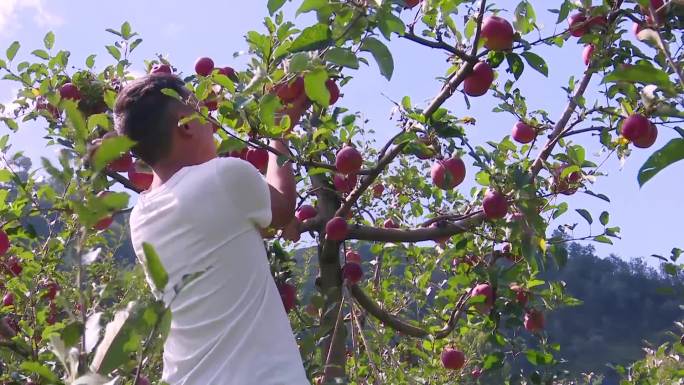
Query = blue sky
x=184 y=30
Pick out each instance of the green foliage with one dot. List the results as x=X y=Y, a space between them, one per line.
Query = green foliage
x=55 y=226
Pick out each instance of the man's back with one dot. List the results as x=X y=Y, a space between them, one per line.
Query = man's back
x=229 y=325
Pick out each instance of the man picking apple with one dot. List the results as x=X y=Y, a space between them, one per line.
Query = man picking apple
x=204 y=214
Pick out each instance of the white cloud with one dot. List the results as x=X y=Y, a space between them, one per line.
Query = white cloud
x=10 y=19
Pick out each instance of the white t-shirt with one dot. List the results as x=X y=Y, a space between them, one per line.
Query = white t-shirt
x=229 y=326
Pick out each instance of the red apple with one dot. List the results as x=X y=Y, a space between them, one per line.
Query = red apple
x=334 y=91
x=521 y=295
x=305 y=212
x=578 y=24
x=258 y=157
x=161 y=69
x=523 y=133
x=52 y=314
x=587 y=53
x=452 y=358
x=104 y=223
x=204 y=66
x=390 y=224
x=378 y=189
x=636 y=28
x=288 y=294
x=352 y=272
x=411 y=3
x=336 y=229
x=43 y=105
x=348 y=160
x=352 y=256
x=494 y=204
x=447 y=174
x=345 y=183
x=8 y=299
x=227 y=71
x=211 y=103
x=290 y=91
x=635 y=127
x=479 y=81
x=122 y=164
x=51 y=290
x=14 y=265
x=4 y=242
x=486 y=290
x=140 y=178
x=69 y=91
x=497 y=33
x=534 y=321
x=647 y=140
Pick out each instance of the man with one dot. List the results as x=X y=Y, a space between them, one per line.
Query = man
x=204 y=214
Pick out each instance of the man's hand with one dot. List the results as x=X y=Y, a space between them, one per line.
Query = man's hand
x=292 y=231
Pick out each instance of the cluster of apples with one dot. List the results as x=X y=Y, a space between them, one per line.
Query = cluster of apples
x=533 y=322
x=12 y=266
x=348 y=162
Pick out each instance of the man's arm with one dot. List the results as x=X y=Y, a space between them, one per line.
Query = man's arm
x=283 y=188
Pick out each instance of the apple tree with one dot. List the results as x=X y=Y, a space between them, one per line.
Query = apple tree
x=451 y=292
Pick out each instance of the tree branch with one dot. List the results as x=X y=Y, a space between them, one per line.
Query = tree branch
x=124 y=181
x=580 y=131
x=378 y=234
x=396 y=323
x=438 y=45
x=559 y=128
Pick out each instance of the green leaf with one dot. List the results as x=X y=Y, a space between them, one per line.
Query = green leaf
x=111 y=149
x=268 y=105
x=604 y=218
x=155 y=268
x=76 y=119
x=274 y=5
x=5 y=175
x=111 y=353
x=585 y=214
x=71 y=334
x=116 y=54
x=536 y=62
x=311 y=5
x=524 y=18
x=560 y=210
x=641 y=73
x=90 y=61
x=515 y=65
x=125 y=30
x=343 y=57
x=564 y=11
x=49 y=40
x=172 y=93
x=98 y=120
x=382 y=55
x=12 y=50
x=672 y=152
x=389 y=23
x=314 y=85
x=482 y=178
x=603 y=239
x=311 y=38
x=470 y=28
x=41 y=54
x=39 y=369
